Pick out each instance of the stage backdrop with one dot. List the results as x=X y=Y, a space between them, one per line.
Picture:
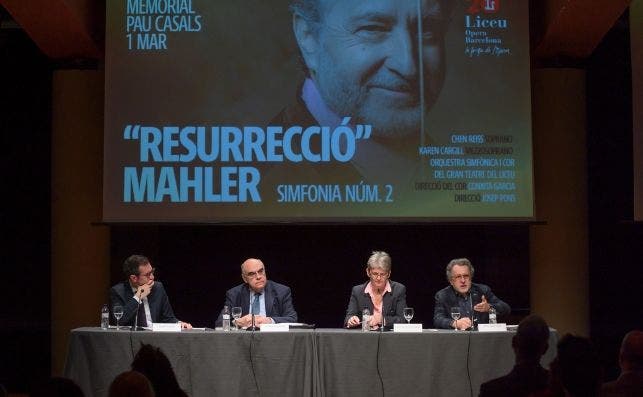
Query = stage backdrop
x=419 y=111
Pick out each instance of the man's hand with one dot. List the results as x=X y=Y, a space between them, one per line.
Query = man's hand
x=463 y=323
x=262 y=320
x=246 y=321
x=144 y=290
x=352 y=322
x=483 y=306
x=185 y=325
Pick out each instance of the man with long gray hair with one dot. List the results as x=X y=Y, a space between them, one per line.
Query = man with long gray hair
x=377 y=62
x=472 y=299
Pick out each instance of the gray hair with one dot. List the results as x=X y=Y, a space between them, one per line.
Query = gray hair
x=310 y=10
x=307 y=9
x=379 y=259
x=459 y=262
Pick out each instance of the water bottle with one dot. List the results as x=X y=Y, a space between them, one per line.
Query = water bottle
x=226 y=318
x=104 y=317
x=492 y=315
x=366 y=317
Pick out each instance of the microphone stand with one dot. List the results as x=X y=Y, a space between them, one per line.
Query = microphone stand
x=382 y=325
x=473 y=312
x=253 y=327
x=135 y=326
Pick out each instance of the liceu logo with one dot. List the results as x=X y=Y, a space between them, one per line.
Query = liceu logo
x=485 y=6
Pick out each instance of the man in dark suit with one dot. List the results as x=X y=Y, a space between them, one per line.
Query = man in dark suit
x=384 y=299
x=527 y=376
x=269 y=301
x=141 y=294
x=473 y=300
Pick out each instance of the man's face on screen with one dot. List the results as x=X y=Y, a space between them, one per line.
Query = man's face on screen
x=461 y=278
x=368 y=61
x=253 y=273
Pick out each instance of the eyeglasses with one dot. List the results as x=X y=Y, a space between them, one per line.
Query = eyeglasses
x=148 y=275
x=258 y=273
x=378 y=275
x=464 y=277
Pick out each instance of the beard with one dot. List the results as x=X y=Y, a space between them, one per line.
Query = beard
x=392 y=114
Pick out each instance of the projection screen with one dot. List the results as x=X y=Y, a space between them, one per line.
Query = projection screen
x=327 y=110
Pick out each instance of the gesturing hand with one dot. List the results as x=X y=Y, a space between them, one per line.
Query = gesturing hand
x=483 y=306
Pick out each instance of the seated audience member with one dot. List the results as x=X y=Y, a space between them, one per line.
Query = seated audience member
x=385 y=299
x=154 y=364
x=269 y=301
x=141 y=293
x=131 y=384
x=527 y=376
x=576 y=371
x=630 y=382
x=474 y=300
x=57 y=387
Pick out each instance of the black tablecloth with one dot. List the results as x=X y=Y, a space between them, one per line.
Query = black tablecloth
x=322 y=362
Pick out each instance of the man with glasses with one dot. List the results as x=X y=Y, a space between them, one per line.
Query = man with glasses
x=473 y=300
x=141 y=294
x=384 y=299
x=270 y=302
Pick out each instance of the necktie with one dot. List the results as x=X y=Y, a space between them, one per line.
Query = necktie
x=255 y=304
x=142 y=320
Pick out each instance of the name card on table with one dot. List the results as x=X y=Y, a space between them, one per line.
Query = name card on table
x=281 y=327
x=407 y=327
x=166 y=327
x=500 y=327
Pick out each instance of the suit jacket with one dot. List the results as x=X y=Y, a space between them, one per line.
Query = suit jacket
x=297 y=114
x=522 y=381
x=447 y=297
x=160 y=308
x=376 y=162
x=278 y=300
x=393 y=303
